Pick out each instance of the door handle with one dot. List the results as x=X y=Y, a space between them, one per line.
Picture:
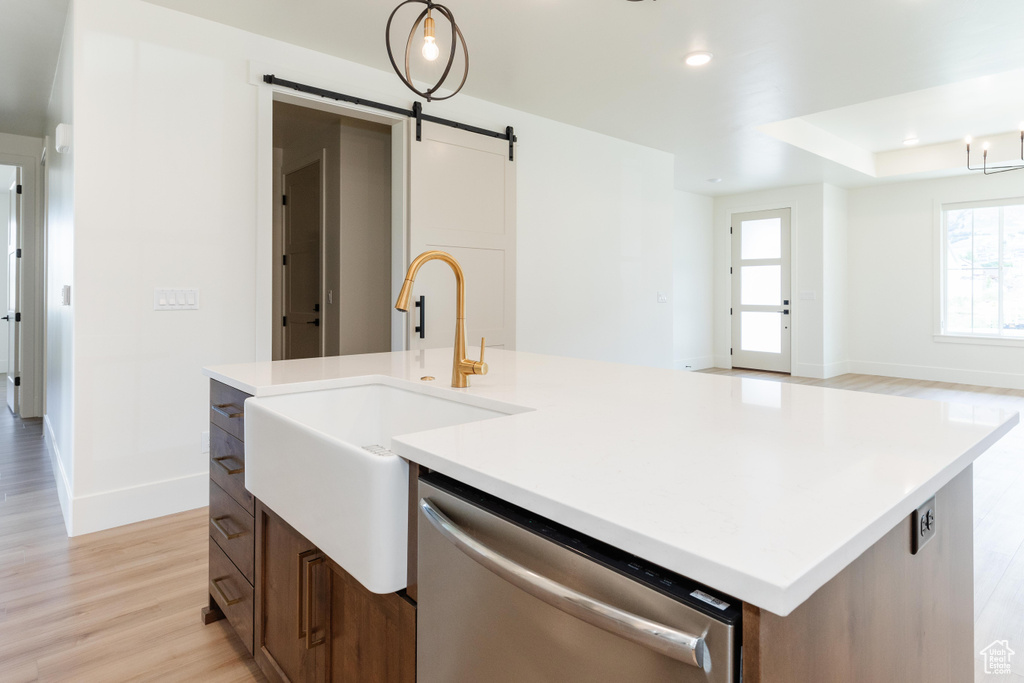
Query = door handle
x=421 y=304
x=314 y=322
x=6 y=317
x=680 y=646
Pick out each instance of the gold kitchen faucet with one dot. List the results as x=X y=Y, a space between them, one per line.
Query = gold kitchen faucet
x=462 y=367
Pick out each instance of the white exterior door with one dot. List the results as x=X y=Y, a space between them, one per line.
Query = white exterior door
x=462 y=200
x=13 y=296
x=761 y=290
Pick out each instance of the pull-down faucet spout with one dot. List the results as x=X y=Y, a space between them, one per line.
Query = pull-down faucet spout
x=462 y=367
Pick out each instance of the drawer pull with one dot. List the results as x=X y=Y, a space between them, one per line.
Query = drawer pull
x=230 y=470
x=228 y=410
x=310 y=563
x=215 y=521
x=300 y=598
x=228 y=602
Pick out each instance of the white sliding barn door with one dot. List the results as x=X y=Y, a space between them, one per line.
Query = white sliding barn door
x=462 y=199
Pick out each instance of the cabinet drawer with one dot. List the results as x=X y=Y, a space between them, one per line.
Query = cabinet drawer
x=227 y=467
x=227 y=408
x=231 y=527
x=233 y=594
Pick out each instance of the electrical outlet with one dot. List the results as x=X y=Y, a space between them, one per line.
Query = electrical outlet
x=662 y=298
x=204 y=442
x=922 y=526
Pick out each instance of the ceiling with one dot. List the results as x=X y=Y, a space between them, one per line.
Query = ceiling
x=30 y=34
x=616 y=67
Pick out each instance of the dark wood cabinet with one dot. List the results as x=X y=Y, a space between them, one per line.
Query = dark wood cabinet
x=291 y=619
x=372 y=637
x=302 y=616
x=232 y=537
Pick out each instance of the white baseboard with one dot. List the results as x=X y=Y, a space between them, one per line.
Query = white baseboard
x=836 y=369
x=696 y=363
x=60 y=477
x=1003 y=380
x=111 y=509
x=812 y=370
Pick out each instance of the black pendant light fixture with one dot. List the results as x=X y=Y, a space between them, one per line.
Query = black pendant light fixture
x=991 y=170
x=429 y=48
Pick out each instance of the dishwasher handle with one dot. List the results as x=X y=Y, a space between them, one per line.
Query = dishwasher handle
x=683 y=647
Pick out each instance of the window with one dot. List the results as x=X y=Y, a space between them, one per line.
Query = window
x=983 y=267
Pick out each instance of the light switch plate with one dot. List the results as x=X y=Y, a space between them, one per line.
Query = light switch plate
x=176 y=299
x=922 y=526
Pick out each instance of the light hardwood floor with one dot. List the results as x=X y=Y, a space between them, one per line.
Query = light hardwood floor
x=998 y=507
x=123 y=605
x=119 y=605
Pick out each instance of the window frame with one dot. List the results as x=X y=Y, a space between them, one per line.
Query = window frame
x=941 y=335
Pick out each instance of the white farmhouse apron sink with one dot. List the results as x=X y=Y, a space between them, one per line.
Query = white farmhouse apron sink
x=320 y=460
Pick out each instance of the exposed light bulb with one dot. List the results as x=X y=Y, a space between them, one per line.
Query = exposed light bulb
x=985 y=147
x=430 y=51
x=968 y=139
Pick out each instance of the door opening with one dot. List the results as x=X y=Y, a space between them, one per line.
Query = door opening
x=10 y=211
x=761 y=297
x=332 y=234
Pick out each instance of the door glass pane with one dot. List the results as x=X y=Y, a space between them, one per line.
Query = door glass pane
x=761 y=238
x=761 y=285
x=761 y=332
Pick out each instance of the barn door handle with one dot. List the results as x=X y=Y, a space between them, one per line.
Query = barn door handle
x=421 y=304
x=314 y=322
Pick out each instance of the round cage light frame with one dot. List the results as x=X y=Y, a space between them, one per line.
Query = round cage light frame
x=457 y=38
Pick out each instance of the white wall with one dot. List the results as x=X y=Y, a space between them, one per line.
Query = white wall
x=693 y=281
x=594 y=222
x=165 y=113
x=893 y=259
x=60 y=271
x=835 y=281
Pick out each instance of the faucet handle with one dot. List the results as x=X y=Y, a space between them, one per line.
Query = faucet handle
x=478 y=367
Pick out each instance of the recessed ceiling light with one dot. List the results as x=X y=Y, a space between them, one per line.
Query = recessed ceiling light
x=714 y=180
x=699 y=58
x=910 y=140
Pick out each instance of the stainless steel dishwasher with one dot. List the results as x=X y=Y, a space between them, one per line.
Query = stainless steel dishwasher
x=506 y=596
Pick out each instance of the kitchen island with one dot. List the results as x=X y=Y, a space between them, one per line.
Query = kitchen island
x=793 y=499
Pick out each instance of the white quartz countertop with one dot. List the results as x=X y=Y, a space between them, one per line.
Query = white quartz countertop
x=763 y=490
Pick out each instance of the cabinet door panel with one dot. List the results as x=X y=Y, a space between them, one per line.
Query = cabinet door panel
x=373 y=637
x=288 y=584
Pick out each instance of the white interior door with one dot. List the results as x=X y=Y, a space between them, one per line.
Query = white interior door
x=13 y=296
x=303 y=278
x=761 y=290
x=462 y=199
